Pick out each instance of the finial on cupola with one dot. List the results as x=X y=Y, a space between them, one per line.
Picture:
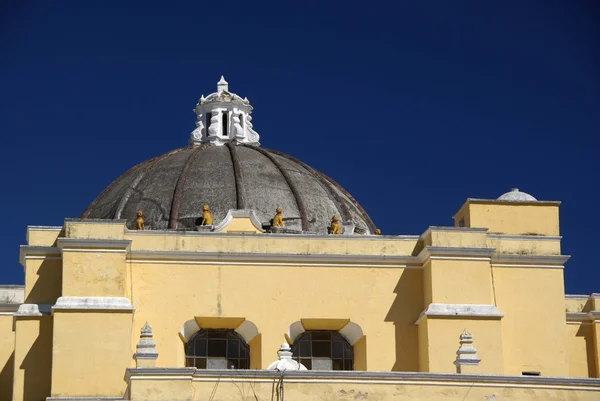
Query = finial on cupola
x=222 y=85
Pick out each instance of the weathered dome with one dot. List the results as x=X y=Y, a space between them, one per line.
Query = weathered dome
x=171 y=189
x=517 y=196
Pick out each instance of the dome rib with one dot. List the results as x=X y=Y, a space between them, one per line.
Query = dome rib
x=239 y=180
x=351 y=198
x=339 y=203
x=291 y=184
x=152 y=162
x=178 y=192
x=106 y=190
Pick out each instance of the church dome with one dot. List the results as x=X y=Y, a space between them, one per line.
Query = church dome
x=517 y=196
x=224 y=167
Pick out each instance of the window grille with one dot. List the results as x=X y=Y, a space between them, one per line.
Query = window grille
x=217 y=349
x=323 y=350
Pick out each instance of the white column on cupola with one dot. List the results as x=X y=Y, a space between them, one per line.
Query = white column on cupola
x=223 y=117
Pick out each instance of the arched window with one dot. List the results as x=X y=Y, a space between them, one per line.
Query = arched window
x=217 y=349
x=323 y=350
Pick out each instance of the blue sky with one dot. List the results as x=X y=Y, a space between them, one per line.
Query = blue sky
x=411 y=107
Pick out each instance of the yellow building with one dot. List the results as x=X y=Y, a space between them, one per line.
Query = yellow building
x=236 y=302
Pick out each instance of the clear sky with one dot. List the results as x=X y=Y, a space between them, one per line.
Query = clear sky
x=412 y=106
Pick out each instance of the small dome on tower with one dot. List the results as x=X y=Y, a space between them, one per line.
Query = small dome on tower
x=514 y=195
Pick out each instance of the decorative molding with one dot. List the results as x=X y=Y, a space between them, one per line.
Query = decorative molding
x=92 y=304
x=145 y=355
x=9 y=309
x=524 y=237
x=452 y=228
x=276 y=259
x=96 y=221
x=248 y=213
x=275 y=235
x=352 y=333
x=84 y=398
x=594 y=316
x=454 y=253
x=529 y=261
x=578 y=317
x=577 y=296
x=467 y=353
x=43 y=252
x=517 y=203
x=247 y=330
x=338 y=376
x=45 y=228
x=95 y=244
x=33 y=310
x=285 y=361
x=460 y=310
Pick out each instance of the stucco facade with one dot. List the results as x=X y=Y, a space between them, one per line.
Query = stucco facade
x=403 y=301
x=492 y=285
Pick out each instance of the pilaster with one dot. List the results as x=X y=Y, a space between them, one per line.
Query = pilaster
x=595 y=317
x=459 y=295
x=33 y=353
x=93 y=317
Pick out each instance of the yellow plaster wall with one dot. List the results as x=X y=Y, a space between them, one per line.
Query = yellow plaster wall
x=582 y=304
x=329 y=390
x=90 y=229
x=32 y=358
x=455 y=238
x=444 y=340
x=264 y=243
x=596 y=337
x=43 y=280
x=95 y=273
x=513 y=218
x=533 y=303
x=383 y=302
x=91 y=352
x=7 y=358
x=525 y=247
x=580 y=347
x=458 y=282
x=38 y=236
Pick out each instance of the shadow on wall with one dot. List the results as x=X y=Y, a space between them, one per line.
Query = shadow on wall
x=48 y=286
x=585 y=331
x=6 y=379
x=404 y=311
x=37 y=364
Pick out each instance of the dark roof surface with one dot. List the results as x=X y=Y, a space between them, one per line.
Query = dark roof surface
x=172 y=188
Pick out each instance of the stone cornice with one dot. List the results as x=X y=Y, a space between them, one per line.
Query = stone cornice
x=454 y=253
x=115 y=245
x=93 y=304
x=265 y=259
x=460 y=310
x=267 y=236
x=512 y=202
x=576 y=296
x=529 y=261
x=39 y=251
x=96 y=221
x=524 y=237
x=578 y=317
x=583 y=317
x=339 y=375
x=26 y=310
x=455 y=229
x=9 y=308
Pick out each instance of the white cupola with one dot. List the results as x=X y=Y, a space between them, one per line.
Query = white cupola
x=223 y=117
